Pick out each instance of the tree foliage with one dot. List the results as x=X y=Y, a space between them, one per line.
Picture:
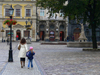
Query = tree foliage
x=88 y=10
x=75 y=8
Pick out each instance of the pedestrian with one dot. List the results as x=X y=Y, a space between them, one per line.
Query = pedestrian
x=22 y=51
x=17 y=37
x=67 y=38
x=30 y=57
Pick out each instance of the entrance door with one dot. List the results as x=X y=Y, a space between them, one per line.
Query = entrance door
x=76 y=36
x=61 y=36
x=52 y=36
x=18 y=32
x=41 y=35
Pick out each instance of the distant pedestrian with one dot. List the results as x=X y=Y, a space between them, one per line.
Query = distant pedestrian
x=30 y=57
x=17 y=37
x=22 y=51
x=67 y=38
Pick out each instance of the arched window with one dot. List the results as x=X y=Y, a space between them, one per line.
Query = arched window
x=52 y=27
x=61 y=26
x=77 y=30
x=41 y=26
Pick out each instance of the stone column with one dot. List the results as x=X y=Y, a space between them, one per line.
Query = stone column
x=47 y=31
x=1 y=24
x=34 y=11
x=57 y=31
x=37 y=31
x=34 y=31
x=66 y=32
x=14 y=35
x=22 y=33
x=1 y=10
x=0 y=30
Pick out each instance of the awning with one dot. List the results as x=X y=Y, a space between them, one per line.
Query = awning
x=9 y=33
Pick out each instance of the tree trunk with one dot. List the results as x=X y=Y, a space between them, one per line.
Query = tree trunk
x=93 y=24
x=94 y=41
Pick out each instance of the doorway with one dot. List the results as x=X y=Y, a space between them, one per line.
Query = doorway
x=42 y=35
x=18 y=32
x=52 y=36
x=76 y=34
x=61 y=36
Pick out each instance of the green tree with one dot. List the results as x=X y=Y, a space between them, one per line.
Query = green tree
x=88 y=10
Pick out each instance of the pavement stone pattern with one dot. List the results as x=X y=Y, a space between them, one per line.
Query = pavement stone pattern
x=14 y=68
x=54 y=60
x=63 y=60
x=4 y=49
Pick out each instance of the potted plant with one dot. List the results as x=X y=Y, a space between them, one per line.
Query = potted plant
x=10 y=22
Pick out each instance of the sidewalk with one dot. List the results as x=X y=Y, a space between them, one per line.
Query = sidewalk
x=14 y=68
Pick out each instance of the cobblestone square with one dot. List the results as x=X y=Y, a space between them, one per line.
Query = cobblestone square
x=52 y=60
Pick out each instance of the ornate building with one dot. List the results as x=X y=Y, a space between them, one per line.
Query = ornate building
x=74 y=31
x=51 y=29
x=23 y=9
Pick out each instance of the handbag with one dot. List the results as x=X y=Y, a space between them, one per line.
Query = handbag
x=27 y=54
x=19 y=47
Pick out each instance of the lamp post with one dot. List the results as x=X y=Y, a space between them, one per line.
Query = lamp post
x=2 y=33
x=28 y=25
x=10 y=59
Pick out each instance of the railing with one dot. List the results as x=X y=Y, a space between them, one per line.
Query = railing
x=52 y=18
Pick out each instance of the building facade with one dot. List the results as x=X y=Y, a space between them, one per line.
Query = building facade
x=23 y=10
x=51 y=28
x=74 y=31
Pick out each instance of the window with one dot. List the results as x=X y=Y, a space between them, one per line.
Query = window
x=41 y=12
x=61 y=26
x=8 y=32
x=6 y=12
x=28 y=12
x=26 y=33
x=41 y=26
x=17 y=12
x=52 y=27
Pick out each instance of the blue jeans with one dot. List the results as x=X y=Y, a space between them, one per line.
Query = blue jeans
x=17 y=39
x=30 y=61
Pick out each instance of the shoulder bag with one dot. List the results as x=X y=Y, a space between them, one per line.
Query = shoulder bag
x=19 y=47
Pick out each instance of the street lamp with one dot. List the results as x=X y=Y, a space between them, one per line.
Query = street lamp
x=2 y=33
x=10 y=59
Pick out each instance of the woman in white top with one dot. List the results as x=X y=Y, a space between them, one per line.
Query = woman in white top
x=22 y=52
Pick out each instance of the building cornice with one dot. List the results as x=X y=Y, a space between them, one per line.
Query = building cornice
x=17 y=2
x=20 y=19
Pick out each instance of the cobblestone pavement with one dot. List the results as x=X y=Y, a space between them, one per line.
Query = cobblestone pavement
x=61 y=60
x=14 y=68
x=4 y=49
x=55 y=60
